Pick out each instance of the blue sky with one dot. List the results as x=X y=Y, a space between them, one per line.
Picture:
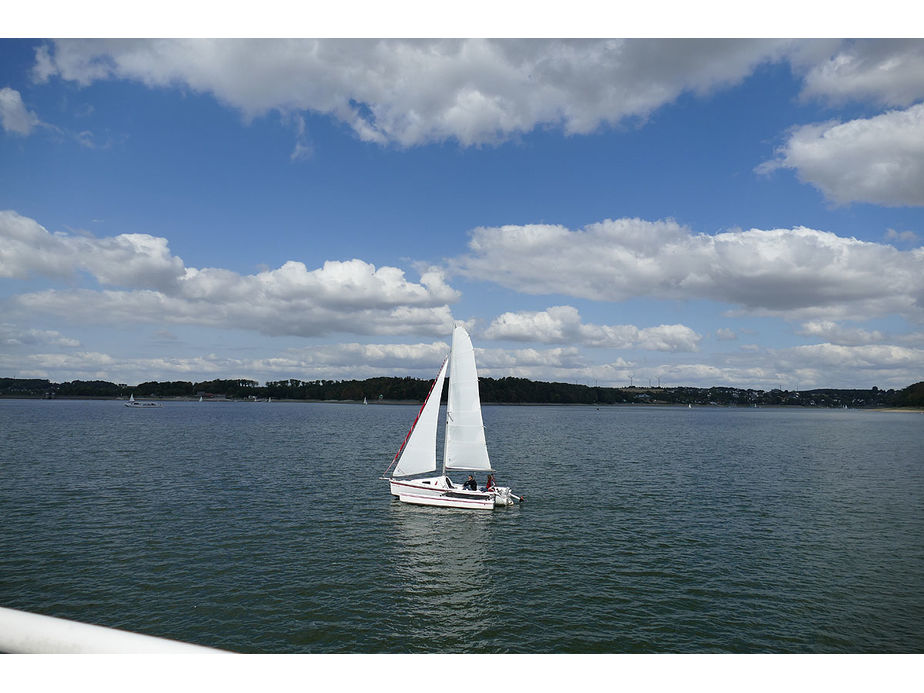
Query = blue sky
x=689 y=212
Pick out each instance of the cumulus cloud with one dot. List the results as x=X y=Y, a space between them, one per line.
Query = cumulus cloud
x=805 y=367
x=12 y=336
x=351 y=296
x=561 y=364
x=902 y=236
x=830 y=365
x=796 y=273
x=878 y=160
x=354 y=360
x=563 y=325
x=135 y=260
x=890 y=72
x=837 y=333
x=300 y=314
x=882 y=357
x=14 y=116
x=323 y=361
x=381 y=356
x=410 y=92
x=90 y=365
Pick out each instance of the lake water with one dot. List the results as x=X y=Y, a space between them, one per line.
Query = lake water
x=264 y=528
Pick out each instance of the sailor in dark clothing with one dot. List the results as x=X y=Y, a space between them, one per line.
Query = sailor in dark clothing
x=470 y=484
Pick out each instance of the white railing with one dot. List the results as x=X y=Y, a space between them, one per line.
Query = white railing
x=22 y=632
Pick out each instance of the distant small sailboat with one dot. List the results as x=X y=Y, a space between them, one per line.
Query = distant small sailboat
x=465 y=447
x=132 y=403
x=365 y=401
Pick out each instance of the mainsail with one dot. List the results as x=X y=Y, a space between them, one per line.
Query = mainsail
x=418 y=455
x=465 y=448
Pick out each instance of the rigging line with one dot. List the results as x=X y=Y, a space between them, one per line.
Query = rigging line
x=414 y=425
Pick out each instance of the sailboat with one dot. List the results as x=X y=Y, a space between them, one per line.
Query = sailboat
x=465 y=449
x=132 y=403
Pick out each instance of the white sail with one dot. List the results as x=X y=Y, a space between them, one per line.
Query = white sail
x=419 y=452
x=465 y=448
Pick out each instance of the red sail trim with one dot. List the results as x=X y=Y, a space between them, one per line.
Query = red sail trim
x=414 y=425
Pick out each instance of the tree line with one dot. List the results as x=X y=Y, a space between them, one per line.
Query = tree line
x=493 y=390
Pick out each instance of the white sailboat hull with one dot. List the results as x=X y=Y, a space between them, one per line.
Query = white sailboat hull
x=436 y=491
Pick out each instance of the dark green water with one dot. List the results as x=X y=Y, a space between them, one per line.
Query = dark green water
x=265 y=528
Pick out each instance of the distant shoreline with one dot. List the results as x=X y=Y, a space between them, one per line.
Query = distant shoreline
x=411 y=402
x=507 y=390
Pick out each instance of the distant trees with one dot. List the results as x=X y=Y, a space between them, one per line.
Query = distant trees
x=493 y=390
x=178 y=388
x=372 y=388
x=521 y=390
x=227 y=388
x=911 y=396
x=87 y=388
x=25 y=387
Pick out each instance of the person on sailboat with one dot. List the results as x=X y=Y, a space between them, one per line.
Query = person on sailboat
x=470 y=484
x=490 y=485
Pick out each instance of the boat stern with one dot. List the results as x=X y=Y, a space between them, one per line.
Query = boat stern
x=502 y=497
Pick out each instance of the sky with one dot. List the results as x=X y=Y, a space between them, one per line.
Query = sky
x=682 y=212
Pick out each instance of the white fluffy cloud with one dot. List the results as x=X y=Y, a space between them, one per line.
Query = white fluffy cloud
x=901 y=236
x=422 y=360
x=135 y=260
x=352 y=296
x=837 y=333
x=806 y=367
x=325 y=361
x=879 y=356
x=411 y=92
x=878 y=160
x=796 y=273
x=479 y=91
x=13 y=336
x=562 y=325
x=14 y=116
x=890 y=72
x=400 y=356
x=90 y=365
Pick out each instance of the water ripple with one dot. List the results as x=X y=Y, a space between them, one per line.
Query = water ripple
x=264 y=528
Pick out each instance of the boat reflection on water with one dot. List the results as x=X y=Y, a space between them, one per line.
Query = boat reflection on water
x=441 y=576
